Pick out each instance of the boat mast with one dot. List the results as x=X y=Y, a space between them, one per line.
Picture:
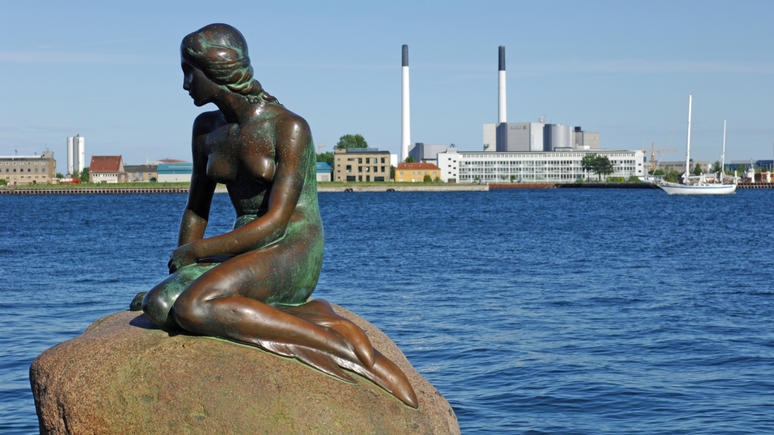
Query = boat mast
x=723 y=156
x=688 y=145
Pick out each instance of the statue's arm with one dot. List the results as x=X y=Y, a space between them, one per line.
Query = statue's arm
x=292 y=157
x=197 y=209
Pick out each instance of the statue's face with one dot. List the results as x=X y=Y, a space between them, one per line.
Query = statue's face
x=198 y=85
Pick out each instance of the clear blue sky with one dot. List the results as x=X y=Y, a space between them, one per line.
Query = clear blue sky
x=111 y=72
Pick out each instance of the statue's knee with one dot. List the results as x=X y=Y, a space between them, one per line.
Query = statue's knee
x=185 y=312
x=158 y=309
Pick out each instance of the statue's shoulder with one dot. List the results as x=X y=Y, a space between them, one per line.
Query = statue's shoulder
x=207 y=121
x=288 y=122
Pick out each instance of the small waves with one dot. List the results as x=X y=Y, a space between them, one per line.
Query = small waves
x=533 y=312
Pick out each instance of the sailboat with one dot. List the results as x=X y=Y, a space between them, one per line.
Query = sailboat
x=697 y=185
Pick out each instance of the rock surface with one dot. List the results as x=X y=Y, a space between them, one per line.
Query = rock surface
x=124 y=375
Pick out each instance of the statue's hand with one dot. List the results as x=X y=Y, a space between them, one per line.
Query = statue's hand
x=182 y=256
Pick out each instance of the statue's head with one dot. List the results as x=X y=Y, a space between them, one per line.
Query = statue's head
x=220 y=52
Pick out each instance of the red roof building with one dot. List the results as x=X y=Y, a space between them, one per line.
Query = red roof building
x=107 y=169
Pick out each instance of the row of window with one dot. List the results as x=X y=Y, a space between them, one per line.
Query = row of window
x=367 y=168
x=553 y=154
x=367 y=159
x=418 y=173
x=360 y=178
x=22 y=170
x=22 y=163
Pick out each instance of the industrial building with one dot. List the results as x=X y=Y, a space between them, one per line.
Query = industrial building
x=323 y=171
x=743 y=165
x=426 y=152
x=679 y=167
x=361 y=164
x=174 y=172
x=533 y=167
x=16 y=170
x=76 y=154
x=537 y=136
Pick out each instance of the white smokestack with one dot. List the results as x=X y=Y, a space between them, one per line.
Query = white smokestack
x=501 y=87
x=405 y=137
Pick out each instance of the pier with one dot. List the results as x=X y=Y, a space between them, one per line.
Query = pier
x=755 y=186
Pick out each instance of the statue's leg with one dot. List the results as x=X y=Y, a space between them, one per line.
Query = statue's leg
x=233 y=300
x=157 y=304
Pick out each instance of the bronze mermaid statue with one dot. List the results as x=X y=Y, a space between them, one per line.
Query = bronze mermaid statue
x=253 y=284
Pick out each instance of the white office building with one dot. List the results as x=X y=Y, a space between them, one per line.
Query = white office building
x=76 y=154
x=533 y=167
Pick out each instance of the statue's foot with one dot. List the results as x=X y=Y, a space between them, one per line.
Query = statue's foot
x=369 y=362
x=136 y=304
x=320 y=312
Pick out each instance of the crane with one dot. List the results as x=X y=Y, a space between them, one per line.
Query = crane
x=653 y=152
x=319 y=148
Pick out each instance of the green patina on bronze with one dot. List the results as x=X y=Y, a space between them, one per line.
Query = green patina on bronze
x=253 y=284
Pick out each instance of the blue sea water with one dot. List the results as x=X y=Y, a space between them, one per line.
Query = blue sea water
x=563 y=311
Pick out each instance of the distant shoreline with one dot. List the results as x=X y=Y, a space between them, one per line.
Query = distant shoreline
x=332 y=187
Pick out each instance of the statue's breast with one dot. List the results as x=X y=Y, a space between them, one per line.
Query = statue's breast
x=234 y=154
x=221 y=167
x=259 y=165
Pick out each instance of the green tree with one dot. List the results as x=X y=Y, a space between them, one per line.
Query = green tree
x=600 y=165
x=437 y=180
x=604 y=166
x=673 y=176
x=3 y=183
x=634 y=179
x=427 y=179
x=351 y=141
x=657 y=172
x=85 y=175
x=325 y=157
x=717 y=167
x=59 y=175
x=410 y=159
x=392 y=172
x=76 y=174
x=697 y=170
x=588 y=161
x=513 y=177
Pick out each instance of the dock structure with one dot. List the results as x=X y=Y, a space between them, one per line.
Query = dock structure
x=89 y=190
x=573 y=186
x=405 y=187
x=755 y=186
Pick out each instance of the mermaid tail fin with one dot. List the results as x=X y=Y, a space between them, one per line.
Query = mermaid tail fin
x=315 y=358
x=363 y=359
x=387 y=375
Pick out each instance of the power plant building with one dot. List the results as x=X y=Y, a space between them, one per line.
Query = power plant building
x=533 y=167
x=426 y=152
x=538 y=136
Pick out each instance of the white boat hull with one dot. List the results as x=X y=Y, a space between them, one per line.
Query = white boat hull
x=707 y=189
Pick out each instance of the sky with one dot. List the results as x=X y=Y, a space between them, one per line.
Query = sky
x=111 y=72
